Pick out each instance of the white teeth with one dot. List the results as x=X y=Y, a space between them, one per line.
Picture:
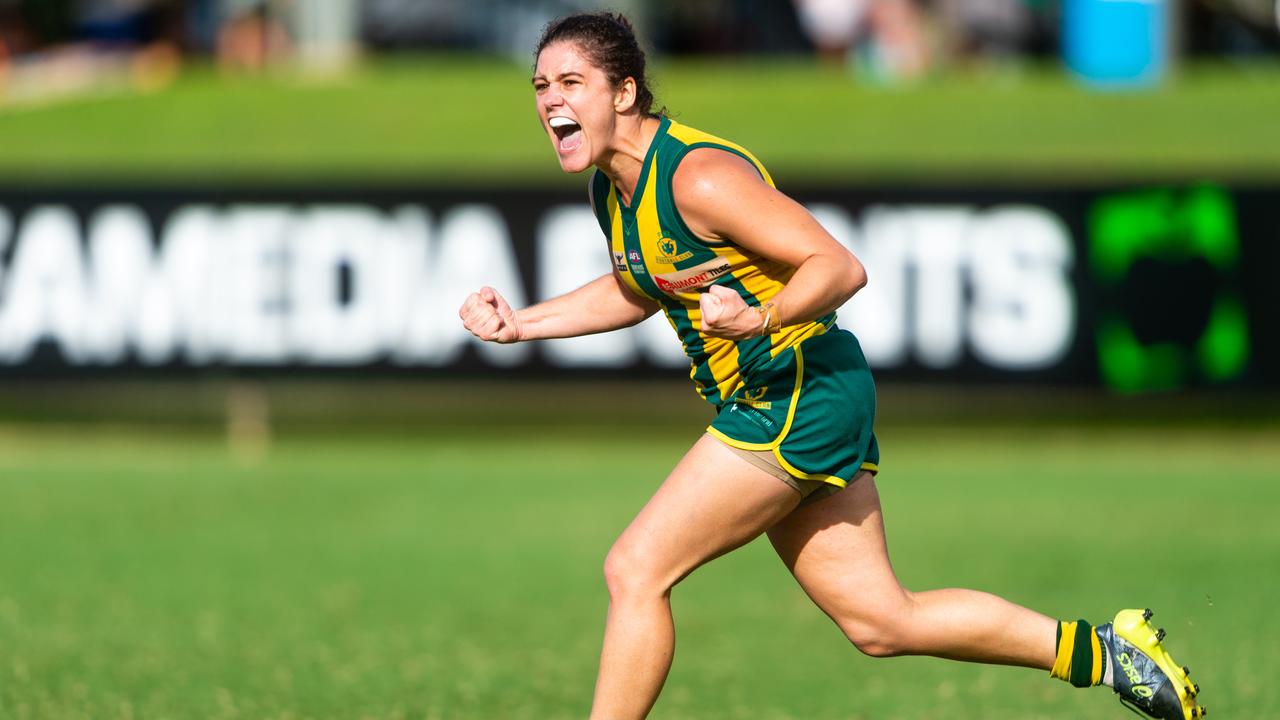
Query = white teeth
x=559 y=122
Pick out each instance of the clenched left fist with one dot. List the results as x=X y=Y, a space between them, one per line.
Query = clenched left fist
x=726 y=315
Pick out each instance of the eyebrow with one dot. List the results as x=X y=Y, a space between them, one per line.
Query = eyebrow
x=561 y=76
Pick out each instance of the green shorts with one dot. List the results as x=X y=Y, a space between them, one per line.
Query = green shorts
x=812 y=406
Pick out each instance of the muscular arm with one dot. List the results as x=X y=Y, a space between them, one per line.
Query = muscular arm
x=599 y=306
x=722 y=197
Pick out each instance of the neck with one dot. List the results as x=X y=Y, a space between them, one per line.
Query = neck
x=625 y=158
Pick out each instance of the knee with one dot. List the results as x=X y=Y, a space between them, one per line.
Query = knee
x=880 y=634
x=629 y=574
x=872 y=640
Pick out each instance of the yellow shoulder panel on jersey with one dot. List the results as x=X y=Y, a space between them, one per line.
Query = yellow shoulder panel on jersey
x=691 y=136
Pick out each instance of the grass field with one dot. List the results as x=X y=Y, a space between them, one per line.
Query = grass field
x=457 y=120
x=454 y=572
x=410 y=558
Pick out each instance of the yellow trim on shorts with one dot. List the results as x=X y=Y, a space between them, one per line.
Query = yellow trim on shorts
x=797 y=472
x=786 y=427
x=775 y=446
x=820 y=477
x=738 y=443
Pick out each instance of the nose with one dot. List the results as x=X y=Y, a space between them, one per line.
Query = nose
x=552 y=98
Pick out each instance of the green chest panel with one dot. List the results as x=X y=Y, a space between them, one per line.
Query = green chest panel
x=654 y=253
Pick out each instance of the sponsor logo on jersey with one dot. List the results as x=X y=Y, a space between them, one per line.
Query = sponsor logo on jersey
x=692 y=278
x=755 y=398
x=634 y=256
x=619 y=262
x=667 y=247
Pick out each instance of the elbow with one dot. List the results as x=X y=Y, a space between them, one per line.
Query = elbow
x=855 y=277
x=859 y=275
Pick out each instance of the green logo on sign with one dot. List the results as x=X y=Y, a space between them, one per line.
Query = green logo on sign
x=1171 y=312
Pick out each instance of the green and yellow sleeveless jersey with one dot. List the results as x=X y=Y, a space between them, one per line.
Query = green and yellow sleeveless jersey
x=659 y=258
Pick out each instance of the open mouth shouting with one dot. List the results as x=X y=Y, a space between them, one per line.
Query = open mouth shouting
x=568 y=134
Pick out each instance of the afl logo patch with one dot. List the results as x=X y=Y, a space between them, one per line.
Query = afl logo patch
x=634 y=256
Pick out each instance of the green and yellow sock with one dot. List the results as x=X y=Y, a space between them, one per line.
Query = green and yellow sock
x=1081 y=661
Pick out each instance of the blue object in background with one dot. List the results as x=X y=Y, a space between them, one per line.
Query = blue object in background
x=1120 y=43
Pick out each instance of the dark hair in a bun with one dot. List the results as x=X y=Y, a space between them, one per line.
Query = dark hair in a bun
x=609 y=41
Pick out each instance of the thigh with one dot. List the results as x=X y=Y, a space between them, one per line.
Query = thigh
x=712 y=502
x=836 y=550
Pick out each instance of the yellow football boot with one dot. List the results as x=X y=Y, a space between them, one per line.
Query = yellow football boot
x=1144 y=675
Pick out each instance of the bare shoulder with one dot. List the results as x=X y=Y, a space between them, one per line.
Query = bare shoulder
x=708 y=170
x=703 y=181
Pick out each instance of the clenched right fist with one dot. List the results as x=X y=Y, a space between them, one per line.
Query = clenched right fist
x=488 y=316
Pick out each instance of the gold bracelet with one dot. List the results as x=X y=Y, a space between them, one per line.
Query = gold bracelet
x=770 y=320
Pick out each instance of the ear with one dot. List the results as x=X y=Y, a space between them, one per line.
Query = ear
x=625 y=97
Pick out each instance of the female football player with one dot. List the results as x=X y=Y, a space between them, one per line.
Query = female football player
x=750 y=282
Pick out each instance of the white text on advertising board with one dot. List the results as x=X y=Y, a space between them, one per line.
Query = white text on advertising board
x=348 y=285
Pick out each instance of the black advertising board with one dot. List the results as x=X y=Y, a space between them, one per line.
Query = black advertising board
x=1136 y=288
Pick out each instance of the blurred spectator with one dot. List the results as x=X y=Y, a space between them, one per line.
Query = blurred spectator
x=326 y=33
x=126 y=23
x=989 y=28
x=726 y=26
x=15 y=36
x=888 y=33
x=250 y=35
x=52 y=50
x=833 y=25
x=59 y=48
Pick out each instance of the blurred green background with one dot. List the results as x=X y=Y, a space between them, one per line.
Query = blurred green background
x=449 y=120
x=218 y=544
